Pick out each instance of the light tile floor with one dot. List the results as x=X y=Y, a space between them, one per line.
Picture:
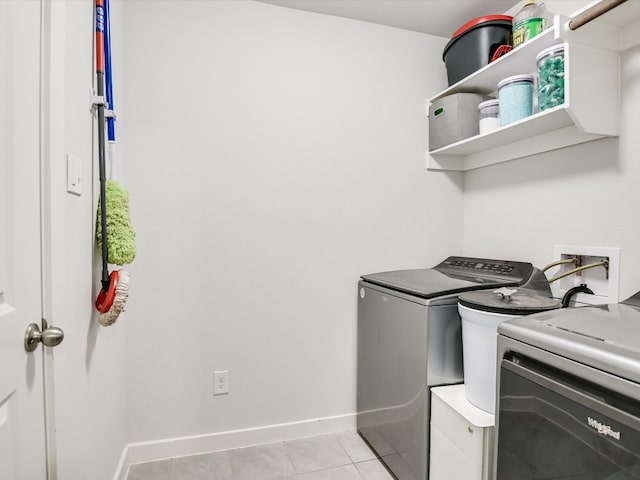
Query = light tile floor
x=343 y=456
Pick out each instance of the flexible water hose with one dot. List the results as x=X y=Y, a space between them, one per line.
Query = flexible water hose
x=604 y=263
x=560 y=262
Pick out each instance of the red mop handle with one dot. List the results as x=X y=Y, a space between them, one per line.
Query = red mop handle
x=99 y=36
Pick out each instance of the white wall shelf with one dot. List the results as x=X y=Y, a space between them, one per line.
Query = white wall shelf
x=590 y=111
x=545 y=131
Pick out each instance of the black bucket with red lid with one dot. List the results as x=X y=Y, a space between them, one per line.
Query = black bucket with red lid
x=474 y=44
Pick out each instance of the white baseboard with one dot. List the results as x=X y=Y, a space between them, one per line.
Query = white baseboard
x=141 y=452
x=123 y=465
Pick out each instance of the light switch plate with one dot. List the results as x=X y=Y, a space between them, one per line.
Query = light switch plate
x=74 y=175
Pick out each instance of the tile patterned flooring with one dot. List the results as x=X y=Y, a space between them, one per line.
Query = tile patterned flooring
x=341 y=456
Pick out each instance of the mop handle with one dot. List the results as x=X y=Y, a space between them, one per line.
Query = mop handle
x=101 y=140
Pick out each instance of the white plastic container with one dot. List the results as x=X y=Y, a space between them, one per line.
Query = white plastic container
x=479 y=345
x=489 y=115
x=482 y=313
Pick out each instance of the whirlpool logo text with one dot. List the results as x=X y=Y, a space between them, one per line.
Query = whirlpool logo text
x=603 y=429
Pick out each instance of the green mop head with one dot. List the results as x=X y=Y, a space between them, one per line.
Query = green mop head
x=121 y=243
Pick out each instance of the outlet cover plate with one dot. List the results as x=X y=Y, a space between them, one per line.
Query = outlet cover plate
x=221 y=382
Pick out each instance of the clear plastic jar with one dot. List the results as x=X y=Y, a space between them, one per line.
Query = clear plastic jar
x=550 y=63
x=516 y=98
x=489 y=115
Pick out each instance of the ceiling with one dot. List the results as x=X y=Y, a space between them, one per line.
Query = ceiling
x=437 y=17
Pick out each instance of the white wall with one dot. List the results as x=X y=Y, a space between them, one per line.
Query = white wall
x=273 y=156
x=89 y=370
x=583 y=195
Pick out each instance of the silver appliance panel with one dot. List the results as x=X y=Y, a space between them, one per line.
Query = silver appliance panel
x=605 y=337
x=404 y=347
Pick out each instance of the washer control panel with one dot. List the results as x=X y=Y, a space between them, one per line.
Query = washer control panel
x=462 y=266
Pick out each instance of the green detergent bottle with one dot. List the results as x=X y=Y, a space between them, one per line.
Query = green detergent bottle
x=530 y=21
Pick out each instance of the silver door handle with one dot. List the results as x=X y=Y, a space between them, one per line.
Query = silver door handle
x=50 y=337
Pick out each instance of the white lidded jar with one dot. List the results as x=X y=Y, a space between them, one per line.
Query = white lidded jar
x=489 y=116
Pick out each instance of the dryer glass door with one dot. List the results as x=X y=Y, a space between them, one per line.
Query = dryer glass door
x=553 y=425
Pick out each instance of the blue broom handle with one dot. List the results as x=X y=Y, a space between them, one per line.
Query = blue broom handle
x=111 y=126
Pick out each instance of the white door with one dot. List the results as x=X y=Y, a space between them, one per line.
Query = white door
x=22 y=430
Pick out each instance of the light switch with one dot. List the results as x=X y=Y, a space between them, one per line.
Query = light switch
x=74 y=175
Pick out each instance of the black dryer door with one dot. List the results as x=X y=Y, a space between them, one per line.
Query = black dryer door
x=553 y=425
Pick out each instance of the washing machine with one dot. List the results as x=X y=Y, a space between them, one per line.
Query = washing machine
x=568 y=396
x=409 y=339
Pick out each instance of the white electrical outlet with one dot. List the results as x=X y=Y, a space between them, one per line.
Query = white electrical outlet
x=221 y=382
x=602 y=280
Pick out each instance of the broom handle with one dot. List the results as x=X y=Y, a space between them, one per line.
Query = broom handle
x=111 y=128
x=111 y=121
x=101 y=140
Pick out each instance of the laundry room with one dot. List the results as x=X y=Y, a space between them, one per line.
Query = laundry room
x=273 y=154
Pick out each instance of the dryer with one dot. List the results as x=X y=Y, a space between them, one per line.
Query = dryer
x=568 y=396
x=409 y=339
